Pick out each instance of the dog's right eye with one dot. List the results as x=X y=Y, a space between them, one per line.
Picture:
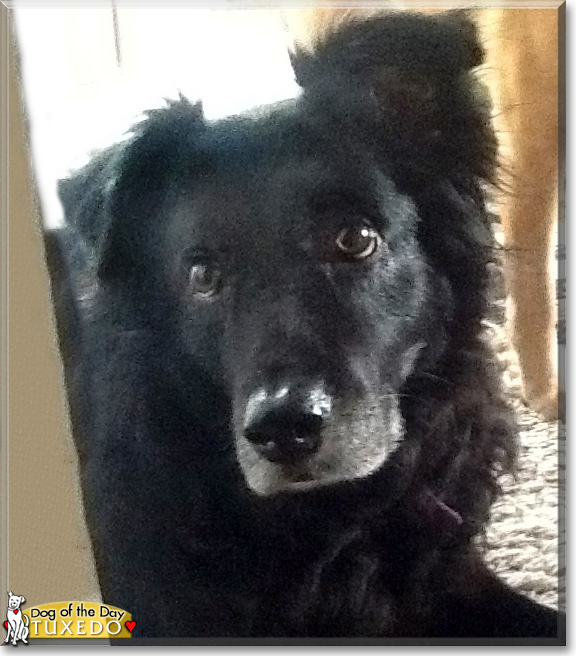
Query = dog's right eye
x=204 y=280
x=358 y=242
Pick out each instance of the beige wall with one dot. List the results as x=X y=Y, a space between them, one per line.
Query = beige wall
x=48 y=554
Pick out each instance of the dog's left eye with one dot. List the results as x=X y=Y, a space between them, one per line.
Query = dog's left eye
x=204 y=280
x=358 y=242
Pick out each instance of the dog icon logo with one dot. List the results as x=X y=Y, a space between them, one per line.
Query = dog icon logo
x=16 y=623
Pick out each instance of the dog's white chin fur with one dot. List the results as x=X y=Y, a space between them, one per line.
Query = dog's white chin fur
x=357 y=449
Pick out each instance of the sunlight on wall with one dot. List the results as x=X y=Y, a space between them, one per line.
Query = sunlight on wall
x=82 y=94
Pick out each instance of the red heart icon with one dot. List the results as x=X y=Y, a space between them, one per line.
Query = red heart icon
x=5 y=625
x=15 y=612
x=130 y=626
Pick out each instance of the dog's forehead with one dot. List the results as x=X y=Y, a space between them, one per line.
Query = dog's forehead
x=285 y=198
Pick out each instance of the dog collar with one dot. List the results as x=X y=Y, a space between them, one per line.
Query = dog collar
x=440 y=512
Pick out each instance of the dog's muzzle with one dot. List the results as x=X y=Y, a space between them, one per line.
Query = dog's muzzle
x=285 y=425
x=297 y=437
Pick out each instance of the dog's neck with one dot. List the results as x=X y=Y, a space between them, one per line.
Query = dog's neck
x=440 y=513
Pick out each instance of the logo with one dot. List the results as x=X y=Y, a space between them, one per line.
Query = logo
x=16 y=622
x=66 y=619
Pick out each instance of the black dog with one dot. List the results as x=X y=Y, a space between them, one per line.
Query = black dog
x=287 y=419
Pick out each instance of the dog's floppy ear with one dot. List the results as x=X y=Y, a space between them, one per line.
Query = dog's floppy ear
x=84 y=197
x=407 y=76
x=109 y=200
x=22 y=600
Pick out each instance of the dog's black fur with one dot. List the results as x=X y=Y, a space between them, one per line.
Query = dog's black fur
x=196 y=531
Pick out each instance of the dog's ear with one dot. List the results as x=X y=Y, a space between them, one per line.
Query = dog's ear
x=10 y=594
x=109 y=201
x=22 y=600
x=84 y=197
x=407 y=78
x=439 y=45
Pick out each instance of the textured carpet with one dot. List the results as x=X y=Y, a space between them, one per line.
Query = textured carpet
x=522 y=540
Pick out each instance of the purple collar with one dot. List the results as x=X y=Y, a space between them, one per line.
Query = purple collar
x=439 y=512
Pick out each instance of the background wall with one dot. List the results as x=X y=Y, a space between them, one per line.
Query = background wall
x=47 y=554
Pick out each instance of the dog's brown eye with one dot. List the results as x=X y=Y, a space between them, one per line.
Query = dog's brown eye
x=204 y=280
x=359 y=242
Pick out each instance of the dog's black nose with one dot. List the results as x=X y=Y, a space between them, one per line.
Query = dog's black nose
x=285 y=426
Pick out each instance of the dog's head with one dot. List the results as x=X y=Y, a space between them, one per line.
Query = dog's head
x=14 y=601
x=313 y=258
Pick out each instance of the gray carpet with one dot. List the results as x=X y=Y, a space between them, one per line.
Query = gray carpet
x=522 y=541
